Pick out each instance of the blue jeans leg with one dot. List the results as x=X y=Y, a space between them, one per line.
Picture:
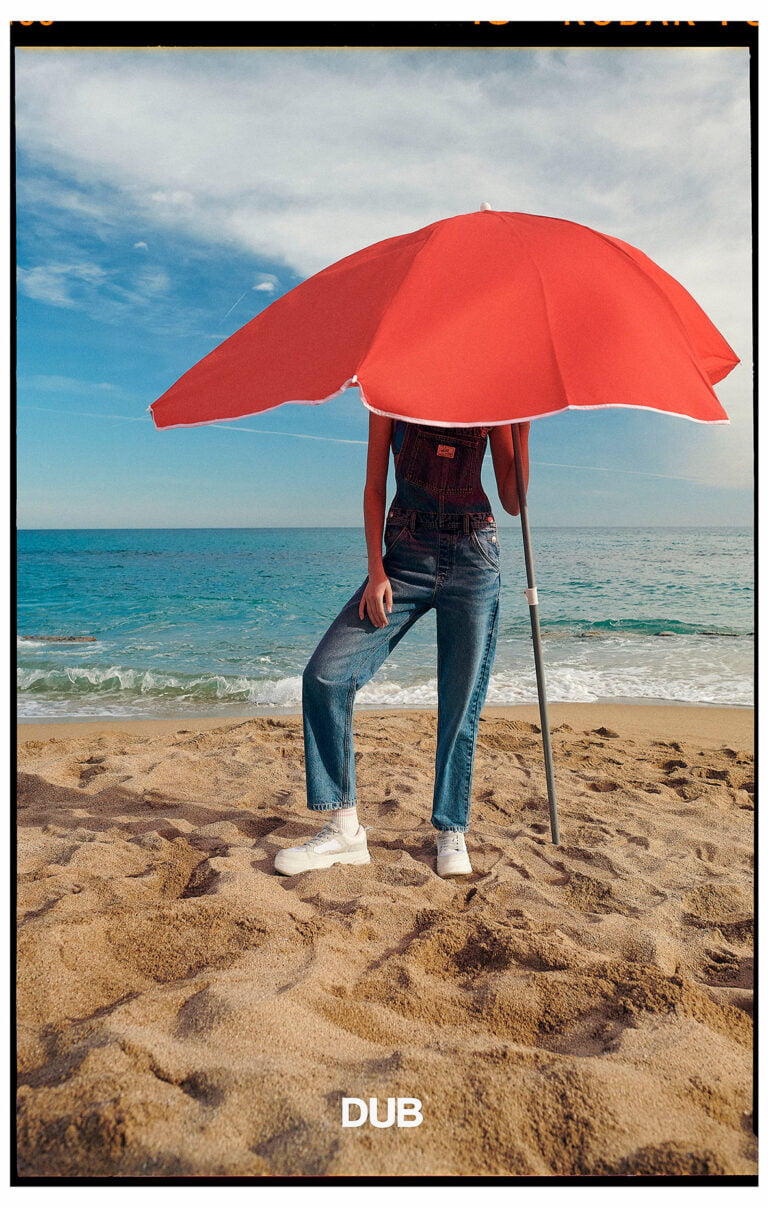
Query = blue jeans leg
x=347 y=656
x=451 y=574
x=467 y=629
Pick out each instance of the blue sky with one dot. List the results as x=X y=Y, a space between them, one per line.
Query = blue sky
x=166 y=197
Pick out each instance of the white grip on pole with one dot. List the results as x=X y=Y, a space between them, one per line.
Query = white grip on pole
x=531 y=596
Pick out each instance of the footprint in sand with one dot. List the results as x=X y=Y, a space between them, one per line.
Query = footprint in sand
x=706 y=852
x=552 y=872
x=735 y=756
x=722 y=967
x=728 y=908
x=685 y=788
x=200 y=1014
x=639 y=840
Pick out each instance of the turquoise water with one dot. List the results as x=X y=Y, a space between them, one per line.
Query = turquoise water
x=197 y=622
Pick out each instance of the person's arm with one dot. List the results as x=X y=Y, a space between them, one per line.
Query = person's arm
x=503 y=453
x=378 y=592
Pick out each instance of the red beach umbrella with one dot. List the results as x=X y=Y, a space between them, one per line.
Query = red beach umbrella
x=482 y=319
x=486 y=318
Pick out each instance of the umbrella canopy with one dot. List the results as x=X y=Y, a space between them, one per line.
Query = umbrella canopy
x=485 y=318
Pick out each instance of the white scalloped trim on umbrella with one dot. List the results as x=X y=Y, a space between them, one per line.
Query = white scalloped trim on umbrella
x=302 y=402
x=408 y=419
x=525 y=419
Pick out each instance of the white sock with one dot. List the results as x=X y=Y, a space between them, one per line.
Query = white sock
x=347 y=820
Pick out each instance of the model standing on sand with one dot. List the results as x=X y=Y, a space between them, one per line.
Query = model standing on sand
x=441 y=552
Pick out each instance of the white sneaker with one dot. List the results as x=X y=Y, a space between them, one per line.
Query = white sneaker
x=452 y=857
x=329 y=846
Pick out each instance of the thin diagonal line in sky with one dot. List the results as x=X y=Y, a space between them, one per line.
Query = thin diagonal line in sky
x=564 y=465
x=228 y=427
x=340 y=440
x=234 y=304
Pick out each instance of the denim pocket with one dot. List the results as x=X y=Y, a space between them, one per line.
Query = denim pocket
x=393 y=535
x=441 y=460
x=487 y=542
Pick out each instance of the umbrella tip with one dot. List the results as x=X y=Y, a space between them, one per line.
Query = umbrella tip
x=486 y=206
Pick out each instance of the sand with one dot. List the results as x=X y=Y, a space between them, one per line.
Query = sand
x=579 y=1010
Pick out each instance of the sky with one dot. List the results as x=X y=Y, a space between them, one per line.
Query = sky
x=165 y=197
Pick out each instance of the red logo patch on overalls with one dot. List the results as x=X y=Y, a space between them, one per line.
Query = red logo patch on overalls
x=445 y=450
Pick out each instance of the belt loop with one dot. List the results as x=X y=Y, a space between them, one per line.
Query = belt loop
x=467 y=524
x=412 y=520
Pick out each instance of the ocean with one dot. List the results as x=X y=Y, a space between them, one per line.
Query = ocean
x=208 y=622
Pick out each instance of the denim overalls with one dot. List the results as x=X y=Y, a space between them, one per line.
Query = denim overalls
x=441 y=552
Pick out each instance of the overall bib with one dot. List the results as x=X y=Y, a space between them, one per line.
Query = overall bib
x=441 y=552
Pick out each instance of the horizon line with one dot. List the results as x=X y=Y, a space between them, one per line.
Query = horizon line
x=212 y=528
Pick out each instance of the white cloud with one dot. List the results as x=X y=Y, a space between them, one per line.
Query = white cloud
x=53 y=283
x=303 y=157
x=153 y=281
x=266 y=283
x=306 y=156
x=90 y=287
x=59 y=384
x=141 y=244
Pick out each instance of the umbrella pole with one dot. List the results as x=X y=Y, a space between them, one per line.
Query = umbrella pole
x=533 y=603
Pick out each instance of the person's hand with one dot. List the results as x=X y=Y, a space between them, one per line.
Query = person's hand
x=377 y=594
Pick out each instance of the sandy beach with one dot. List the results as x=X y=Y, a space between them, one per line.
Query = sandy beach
x=579 y=1010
